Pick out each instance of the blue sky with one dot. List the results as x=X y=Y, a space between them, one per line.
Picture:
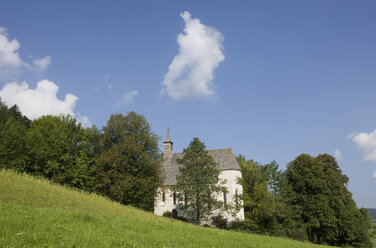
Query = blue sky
x=270 y=79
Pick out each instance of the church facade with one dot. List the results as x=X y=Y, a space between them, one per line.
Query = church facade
x=230 y=171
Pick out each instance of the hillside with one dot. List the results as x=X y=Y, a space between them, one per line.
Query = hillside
x=37 y=213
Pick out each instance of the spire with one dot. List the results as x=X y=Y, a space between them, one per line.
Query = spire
x=168 y=136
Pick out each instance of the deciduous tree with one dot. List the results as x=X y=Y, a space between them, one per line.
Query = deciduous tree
x=129 y=169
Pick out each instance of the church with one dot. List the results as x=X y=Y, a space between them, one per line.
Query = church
x=226 y=162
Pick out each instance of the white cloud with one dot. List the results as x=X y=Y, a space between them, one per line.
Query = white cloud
x=374 y=174
x=42 y=64
x=192 y=70
x=367 y=142
x=127 y=98
x=10 y=61
x=39 y=101
x=338 y=155
x=84 y=120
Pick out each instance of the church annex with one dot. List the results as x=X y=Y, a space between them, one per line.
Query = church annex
x=226 y=162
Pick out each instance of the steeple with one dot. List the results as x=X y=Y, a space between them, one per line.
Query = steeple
x=167 y=146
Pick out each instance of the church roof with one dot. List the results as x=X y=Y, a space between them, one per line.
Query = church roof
x=224 y=158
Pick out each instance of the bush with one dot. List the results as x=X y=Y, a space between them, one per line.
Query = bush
x=244 y=226
x=219 y=221
x=167 y=214
x=296 y=234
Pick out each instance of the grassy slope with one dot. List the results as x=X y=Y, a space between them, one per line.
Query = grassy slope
x=36 y=213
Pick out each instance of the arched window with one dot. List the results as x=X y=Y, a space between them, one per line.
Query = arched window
x=236 y=198
x=163 y=196
x=224 y=199
x=174 y=198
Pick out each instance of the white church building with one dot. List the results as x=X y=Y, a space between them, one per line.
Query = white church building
x=230 y=171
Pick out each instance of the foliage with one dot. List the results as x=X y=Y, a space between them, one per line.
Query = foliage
x=13 y=127
x=167 y=214
x=129 y=170
x=326 y=206
x=198 y=182
x=61 y=150
x=219 y=221
x=13 y=153
x=12 y=112
x=37 y=213
x=262 y=198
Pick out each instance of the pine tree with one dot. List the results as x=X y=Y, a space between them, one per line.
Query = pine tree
x=198 y=182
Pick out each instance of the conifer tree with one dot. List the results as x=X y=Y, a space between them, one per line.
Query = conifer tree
x=198 y=183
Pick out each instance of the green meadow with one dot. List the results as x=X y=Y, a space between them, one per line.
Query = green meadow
x=37 y=213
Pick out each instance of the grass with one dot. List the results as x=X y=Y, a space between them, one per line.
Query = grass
x=37 y=213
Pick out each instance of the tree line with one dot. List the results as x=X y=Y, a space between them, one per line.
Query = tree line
x=121 y=161
x=307 y=201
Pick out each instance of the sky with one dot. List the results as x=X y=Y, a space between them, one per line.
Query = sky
x=269 y=79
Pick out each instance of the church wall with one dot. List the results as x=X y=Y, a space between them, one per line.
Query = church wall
x=232 y=186
x=161 y=206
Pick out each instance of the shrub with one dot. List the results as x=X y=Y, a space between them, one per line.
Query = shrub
x=167 y=214
x=296 y=234
x=219 y=221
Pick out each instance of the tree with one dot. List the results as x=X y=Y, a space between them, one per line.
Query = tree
x=13 y=154
x=129 y=168
x=308 y=182
x=198 y=182
x=318 y=189
x=61 y=150
x=262 y=199
x=13 y=127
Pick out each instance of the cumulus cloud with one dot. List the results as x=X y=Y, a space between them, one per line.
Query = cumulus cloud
x=127 y=98
x=39 y=101
x=338 y=154
x=191 y=72
x=367 y=142
x=10 y=61
x=42 y=63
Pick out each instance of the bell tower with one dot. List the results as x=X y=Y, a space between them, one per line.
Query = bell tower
x=167 y=146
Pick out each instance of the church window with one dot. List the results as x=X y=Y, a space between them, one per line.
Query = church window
x=209 y=201
x=236 y=198
x=174 y=198
x=166 y=146
x=224 y=199
x=163 y=196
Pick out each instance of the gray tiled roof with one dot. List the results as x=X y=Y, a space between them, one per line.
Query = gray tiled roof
x=224 y=158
